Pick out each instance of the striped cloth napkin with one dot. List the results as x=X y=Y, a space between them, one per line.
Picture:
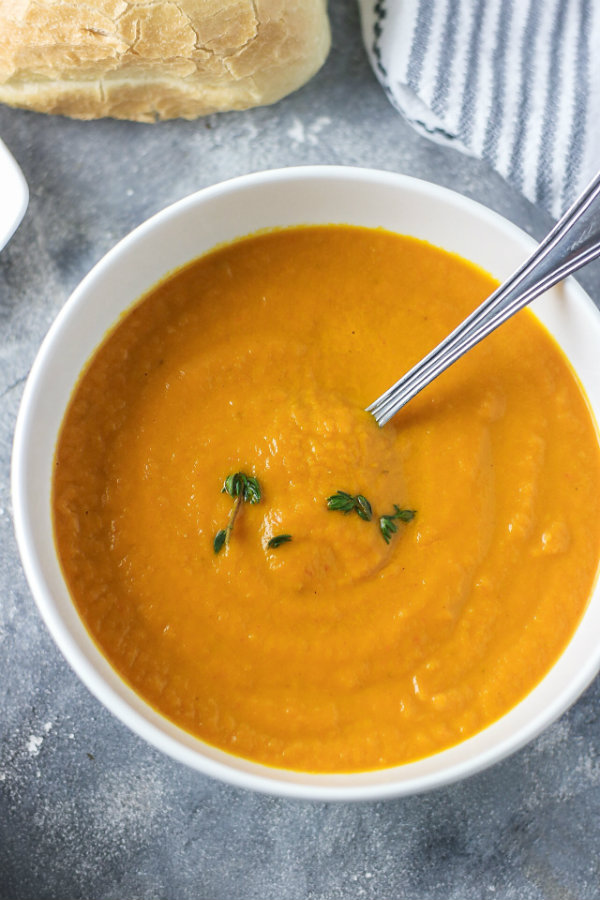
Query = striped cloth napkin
x=514 y=82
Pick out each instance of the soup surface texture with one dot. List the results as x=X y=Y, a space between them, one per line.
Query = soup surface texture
x=335 y=651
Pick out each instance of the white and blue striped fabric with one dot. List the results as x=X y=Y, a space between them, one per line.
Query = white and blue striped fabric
x=514 y=82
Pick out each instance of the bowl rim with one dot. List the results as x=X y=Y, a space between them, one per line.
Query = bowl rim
x=265 y=779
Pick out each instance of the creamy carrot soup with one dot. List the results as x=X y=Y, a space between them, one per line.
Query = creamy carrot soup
x=208 y=550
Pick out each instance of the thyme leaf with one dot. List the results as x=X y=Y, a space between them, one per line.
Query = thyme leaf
x=242 y=485
x=277 y=540
x=388 y=526
x=220 y=538
x=346 y=503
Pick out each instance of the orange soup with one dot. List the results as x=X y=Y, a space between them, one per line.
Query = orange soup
x=300 y=630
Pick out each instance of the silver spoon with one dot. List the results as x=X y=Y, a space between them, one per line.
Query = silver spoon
x=573 y=242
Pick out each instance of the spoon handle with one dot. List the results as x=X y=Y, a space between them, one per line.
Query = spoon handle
x=573 y=242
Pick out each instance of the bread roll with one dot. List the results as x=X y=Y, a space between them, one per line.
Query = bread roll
x=157 y=59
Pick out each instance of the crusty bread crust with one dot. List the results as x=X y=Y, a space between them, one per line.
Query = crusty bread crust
x=157 y=59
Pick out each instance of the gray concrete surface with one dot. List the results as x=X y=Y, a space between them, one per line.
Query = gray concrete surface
x=87 y=810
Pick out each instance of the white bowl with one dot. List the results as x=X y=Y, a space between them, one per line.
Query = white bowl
x=173 y=237
x=14 y=193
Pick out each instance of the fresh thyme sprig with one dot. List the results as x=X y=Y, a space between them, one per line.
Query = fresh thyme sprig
x=277 y=540
x=244 y=489
x=387 y=525
x=344 y=502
